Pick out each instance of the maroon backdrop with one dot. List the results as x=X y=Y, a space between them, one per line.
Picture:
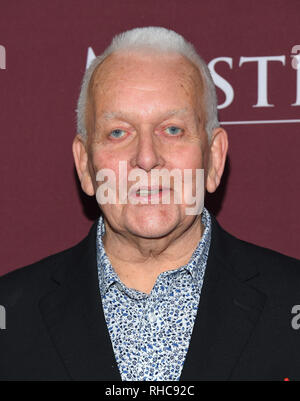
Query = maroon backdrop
x=42 y=208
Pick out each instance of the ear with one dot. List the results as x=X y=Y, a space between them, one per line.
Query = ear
x=81 y=162
x=217 y=158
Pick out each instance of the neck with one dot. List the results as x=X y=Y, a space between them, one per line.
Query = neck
x=138 y=261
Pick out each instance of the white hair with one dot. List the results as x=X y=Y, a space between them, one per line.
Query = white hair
x=157 y=39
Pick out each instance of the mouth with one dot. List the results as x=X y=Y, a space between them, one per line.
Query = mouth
x=149 y=193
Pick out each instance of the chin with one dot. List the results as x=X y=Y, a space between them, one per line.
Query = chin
x=152 y=221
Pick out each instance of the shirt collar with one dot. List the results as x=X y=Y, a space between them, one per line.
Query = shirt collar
x=195 y=266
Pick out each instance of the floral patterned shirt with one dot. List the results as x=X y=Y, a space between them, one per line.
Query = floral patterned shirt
x=150 y=333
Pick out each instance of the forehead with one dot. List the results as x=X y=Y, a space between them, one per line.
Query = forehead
x=146 y=77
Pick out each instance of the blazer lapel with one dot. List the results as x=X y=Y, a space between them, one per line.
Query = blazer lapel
x=74 y=316
x=228 y=311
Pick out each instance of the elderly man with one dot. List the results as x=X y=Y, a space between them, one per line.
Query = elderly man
x=154 y=292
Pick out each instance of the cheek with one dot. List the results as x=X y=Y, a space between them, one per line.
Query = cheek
x=187 y=158
x=102 y=159
x=116 y=173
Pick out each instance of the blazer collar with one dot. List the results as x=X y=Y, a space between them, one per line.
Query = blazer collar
x=74 y=316
x=228 y=310
x=227 y=313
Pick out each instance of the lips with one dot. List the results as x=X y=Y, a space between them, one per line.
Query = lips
x=147 y=192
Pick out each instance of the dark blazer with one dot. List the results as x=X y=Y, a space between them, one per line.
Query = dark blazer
x=55 y=326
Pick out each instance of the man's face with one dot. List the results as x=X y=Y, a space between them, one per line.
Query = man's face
x=146 y=110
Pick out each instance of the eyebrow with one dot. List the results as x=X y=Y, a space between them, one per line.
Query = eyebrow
x=120 y=114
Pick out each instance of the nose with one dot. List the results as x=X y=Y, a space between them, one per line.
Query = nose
x=147 y=155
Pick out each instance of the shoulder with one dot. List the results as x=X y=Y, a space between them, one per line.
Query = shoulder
x=34 y=279
x=267 y=261
x=270 y=271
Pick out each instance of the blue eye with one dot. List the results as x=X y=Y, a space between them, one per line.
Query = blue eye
x=117 y=133
x=173 y=130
